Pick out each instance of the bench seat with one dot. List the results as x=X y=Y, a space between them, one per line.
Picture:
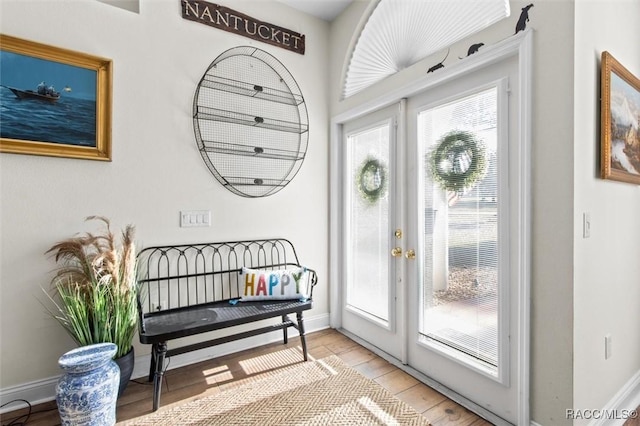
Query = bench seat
x=191 y=320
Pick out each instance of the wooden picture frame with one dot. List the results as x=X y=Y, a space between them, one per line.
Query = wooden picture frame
x=619 y=122
x=55 y=102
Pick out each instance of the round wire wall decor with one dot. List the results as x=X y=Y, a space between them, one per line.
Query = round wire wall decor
x=250 y=122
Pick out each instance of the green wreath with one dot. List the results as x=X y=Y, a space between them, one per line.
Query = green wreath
x=458 y=161
x=371 y=180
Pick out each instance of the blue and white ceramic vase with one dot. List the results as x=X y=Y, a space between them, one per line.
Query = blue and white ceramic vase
x=88 y=390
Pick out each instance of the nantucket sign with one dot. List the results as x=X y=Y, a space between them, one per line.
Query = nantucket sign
x=229 y=20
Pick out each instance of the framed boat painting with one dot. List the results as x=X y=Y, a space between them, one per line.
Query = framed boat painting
x=619 y=122
x=54 y=101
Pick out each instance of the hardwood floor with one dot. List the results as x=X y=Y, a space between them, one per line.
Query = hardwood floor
x=216 y=375
x=212 y=376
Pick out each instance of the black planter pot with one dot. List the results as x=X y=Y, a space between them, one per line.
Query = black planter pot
x=125 y=363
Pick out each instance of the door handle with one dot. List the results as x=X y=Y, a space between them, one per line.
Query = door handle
x=396 y=251
x=410 y=254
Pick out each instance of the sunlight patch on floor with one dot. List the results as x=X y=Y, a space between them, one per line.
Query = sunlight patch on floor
x=271 y=361
x=377 y=411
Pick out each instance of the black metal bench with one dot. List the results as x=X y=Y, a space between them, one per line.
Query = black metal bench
x=185 y=290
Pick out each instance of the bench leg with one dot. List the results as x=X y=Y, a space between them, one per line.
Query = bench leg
x=160 y=350
x=285 y=329
x=302 y=337
x=152 y=364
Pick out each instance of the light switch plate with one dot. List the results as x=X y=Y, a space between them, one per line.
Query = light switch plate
x=195 y=218
x=586 y=225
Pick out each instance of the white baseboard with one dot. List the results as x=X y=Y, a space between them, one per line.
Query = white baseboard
x=624 y=401
x=35 y=392
x=44 y=390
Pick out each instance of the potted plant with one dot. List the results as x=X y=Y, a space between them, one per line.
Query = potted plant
x=94 y=291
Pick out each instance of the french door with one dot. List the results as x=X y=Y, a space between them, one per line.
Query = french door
x=435 y=236
x=464 y=281
x=372 y=276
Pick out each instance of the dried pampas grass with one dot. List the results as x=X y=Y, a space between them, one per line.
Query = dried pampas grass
x=95 y=286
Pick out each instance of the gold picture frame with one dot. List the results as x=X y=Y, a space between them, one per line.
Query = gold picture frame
x=39 y=119
x=619 y=126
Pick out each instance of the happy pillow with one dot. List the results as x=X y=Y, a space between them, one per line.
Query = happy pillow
x=259 y=284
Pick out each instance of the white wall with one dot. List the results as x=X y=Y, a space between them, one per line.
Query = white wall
x=156 y=170
x=606 y=266
x=552 y=181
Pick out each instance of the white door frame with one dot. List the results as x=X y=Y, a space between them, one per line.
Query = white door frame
x=522 y=46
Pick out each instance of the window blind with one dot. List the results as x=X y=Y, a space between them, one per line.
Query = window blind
x=461 y=276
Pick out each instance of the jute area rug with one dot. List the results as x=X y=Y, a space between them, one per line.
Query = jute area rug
x=322 y=392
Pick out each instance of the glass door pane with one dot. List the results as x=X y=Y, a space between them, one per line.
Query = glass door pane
x=460 y=295
x=368 y=223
